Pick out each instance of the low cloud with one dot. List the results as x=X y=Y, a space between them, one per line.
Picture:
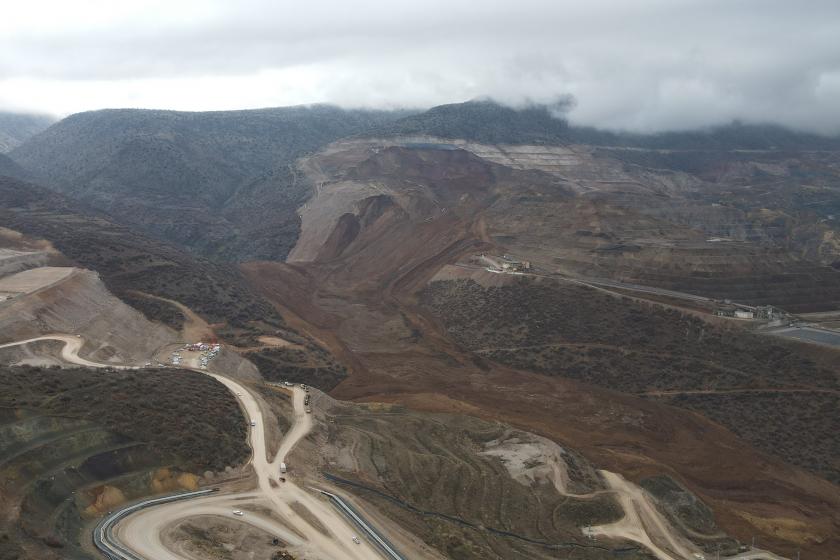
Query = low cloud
x=641 y=65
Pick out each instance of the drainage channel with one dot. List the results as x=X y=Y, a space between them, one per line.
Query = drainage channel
x=378 y=539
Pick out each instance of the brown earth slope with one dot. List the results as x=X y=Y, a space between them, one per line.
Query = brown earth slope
x=359 y=299
x=762 y=388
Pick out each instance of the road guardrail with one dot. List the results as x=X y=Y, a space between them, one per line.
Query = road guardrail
x=103 y=537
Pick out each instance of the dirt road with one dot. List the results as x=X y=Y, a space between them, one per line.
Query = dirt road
x=70 y=351
x=141 y=532
x=194 y=328
x=643 y=523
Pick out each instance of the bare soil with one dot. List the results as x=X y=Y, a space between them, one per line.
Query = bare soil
x=219 y=538
x=374 y=281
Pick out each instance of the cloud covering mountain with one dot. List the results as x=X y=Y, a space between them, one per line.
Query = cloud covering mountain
x=641 y=65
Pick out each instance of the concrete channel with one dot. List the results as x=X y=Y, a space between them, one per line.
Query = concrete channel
x=813 y=335
x=374 y=536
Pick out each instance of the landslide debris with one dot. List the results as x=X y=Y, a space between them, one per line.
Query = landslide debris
x=361 y=299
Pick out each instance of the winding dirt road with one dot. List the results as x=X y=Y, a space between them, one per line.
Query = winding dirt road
x=70 y=351
x=643 y=523
x=333 y=539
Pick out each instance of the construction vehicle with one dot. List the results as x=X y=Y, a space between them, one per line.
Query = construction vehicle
x=283 y=468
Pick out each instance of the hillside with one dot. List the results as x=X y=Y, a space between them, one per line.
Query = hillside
x=16 y=128
x=728 y=374
x=131 y=264
x=453 y=263
x=390 y=214
x=220 y=184
x=9 y=168
x=76 y=443
x=128 y=261
x=78 y=303
x=479 y=489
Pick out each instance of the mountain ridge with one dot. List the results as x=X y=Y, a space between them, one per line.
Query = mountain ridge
x=187 y=177
x=491 y=122
x=16 y=128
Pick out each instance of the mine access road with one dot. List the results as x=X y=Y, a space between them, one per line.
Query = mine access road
x=135 y=532
x=140 y=532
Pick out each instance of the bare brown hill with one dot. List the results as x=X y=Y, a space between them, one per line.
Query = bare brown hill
x=359 y=299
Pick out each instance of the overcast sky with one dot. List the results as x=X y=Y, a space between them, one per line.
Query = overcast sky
x=630 y=64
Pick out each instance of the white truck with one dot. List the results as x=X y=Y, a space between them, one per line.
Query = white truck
x=282 y=468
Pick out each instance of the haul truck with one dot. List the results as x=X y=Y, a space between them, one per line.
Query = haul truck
x=282 y=468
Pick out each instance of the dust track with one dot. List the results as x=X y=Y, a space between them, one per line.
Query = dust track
x=70 y=351
x=141 y=531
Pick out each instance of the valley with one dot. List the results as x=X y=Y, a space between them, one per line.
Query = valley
x=369 y=307
x=491 y=339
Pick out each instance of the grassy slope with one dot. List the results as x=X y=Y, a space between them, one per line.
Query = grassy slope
x=184 y=414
